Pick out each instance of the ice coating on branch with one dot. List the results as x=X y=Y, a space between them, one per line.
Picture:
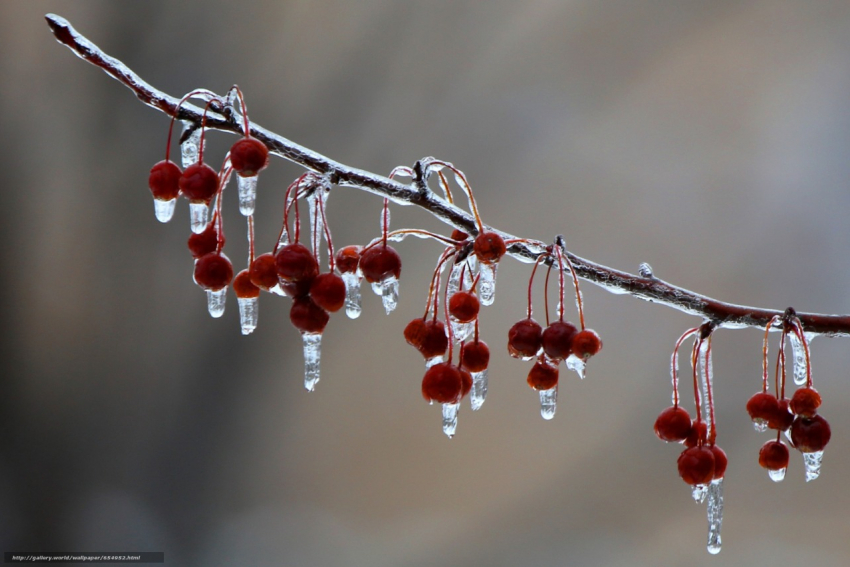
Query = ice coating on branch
x=777 y=475
x=247 y=194
x=813 y=462
x=479 y=389
x=216 y=301
x=576 y=364
x=645 y=270
x=487 y=283
x=706 y=374
x=715 y=515
x=548 y=402
x=699 y=492
x=800 y=370
x=450 y=419
x=353 y=301
x=312 y=354
x=198 y=217
x=164 y=210
x=248 y=313
x=190 y=148
x=389 y=293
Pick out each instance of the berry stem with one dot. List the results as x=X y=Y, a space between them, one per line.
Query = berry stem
x=561 y=286
x=418 y=232
x=444 y=184
x=546 y=293
x=250 y=240
x=530 y=282
x=435 y=282
x=562 y=252
x=797 y=327
x=765 y=379
x=694 y=356
x=174 y=117
x=674 y=363
x=327 y=231
x=385 y=221
x=709 y=387
x=244 y=110
x=460 y=177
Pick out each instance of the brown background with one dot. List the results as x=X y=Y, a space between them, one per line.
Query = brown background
x=709 y=139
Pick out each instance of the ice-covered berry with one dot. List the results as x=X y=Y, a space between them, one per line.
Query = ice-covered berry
x=379 y=263
x=308 y=317
x=164 y=180
x=673 y=424
x=464 y=306
x=249 y=156
x=557 y=339
x=525 y=339
x=198 y=183
x=328 y=291
x=295 y=262
x=543 y=376
x=696 y=465
x=443 y=383
x=213 y=271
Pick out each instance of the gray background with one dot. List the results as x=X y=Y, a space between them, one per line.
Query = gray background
x=709 y=139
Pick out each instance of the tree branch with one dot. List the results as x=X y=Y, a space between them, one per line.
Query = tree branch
x=417 y=193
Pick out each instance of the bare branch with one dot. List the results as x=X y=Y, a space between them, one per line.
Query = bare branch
x=720 y=314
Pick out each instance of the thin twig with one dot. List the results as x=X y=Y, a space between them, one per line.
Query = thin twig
x=720 y=314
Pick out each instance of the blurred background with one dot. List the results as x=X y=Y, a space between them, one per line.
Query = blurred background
x=709 y=139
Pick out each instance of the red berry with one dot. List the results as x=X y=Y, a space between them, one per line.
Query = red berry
x=443 y=383
x=720 y=461
x=525 y=339
x=347 y=259
x=696 y=465
x=543 y=376
x=248 y=156
x=805 y=402
x=762 y=407
x=673 y=424
x=243 y=286
x=698 y=434
x=328 y=291
x=308 y=317
x=435 y=342
x=810 y=434
x=263 y=271
x=475 y=356
x=295 y=262
x=773 y=455
x=164 y=180
x=489 y=247
x=415 y=332
x=199 y=183
x=459 y=235
x=297 y=289
x=464 y=306
x=557 y=339
x=379 y=263
x=213 y=271
x=783 y=418
x=586 y=343
x=204 y=242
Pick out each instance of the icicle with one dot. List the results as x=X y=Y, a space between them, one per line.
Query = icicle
x=389 y=293
x=164 y=210
x=429 y=362
x=317 y=224
x=352 y=294
x=190 y=148
x=699 y=492
x=377 y=289
x=812 y=461
x=454 y=278
x=575 y=363
x=198 y=217
x=450 y=419
x=548 y=402
x=760 y=425
x=487 y=283
x=248 y=312
x=715 y=515
x=800 y=371
x=479 y=389
x=777 y=475
x=247 y=194
x=215 y=302
x=461 y=331
x=312 y=354
x=706 y=374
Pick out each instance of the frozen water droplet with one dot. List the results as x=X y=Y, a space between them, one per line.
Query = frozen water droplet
x=645 y=270
x=215 y=302
x=487 y=283
x=248 y=312
x=377 y=289
x=548 y=402
x=760 y=425
x=429 y=362
x=576 y=364
x=450 y=419
x=353 y=304
x=247 y=194
x=164 y=210
x=699 y=492
x=479 y=389
x=800 y=371
x=312 y=354
x=812 y=462
x=389 y=293
x=461 y=331
x=715 y=515
x=198 y=217
x=190 y=148
x=777 y=475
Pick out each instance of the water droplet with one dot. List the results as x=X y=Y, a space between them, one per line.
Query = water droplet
x=389 y=293
x=777 y=475
x=800 y=370
x=353 y=301
x=479 y=389
x=429 y=362
x=813 y=462
x=189 y=149
x=164 y=210
x=576 y=364
x=248 y=312
x=247 y=193
x=216 y=301
x=699 y=492
x=715 y=515
x=450 y=419
x=487 y=283
x=548 y=402
x=198 y=217
x=760 y=425
x=645 y=270
x=312 y=354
